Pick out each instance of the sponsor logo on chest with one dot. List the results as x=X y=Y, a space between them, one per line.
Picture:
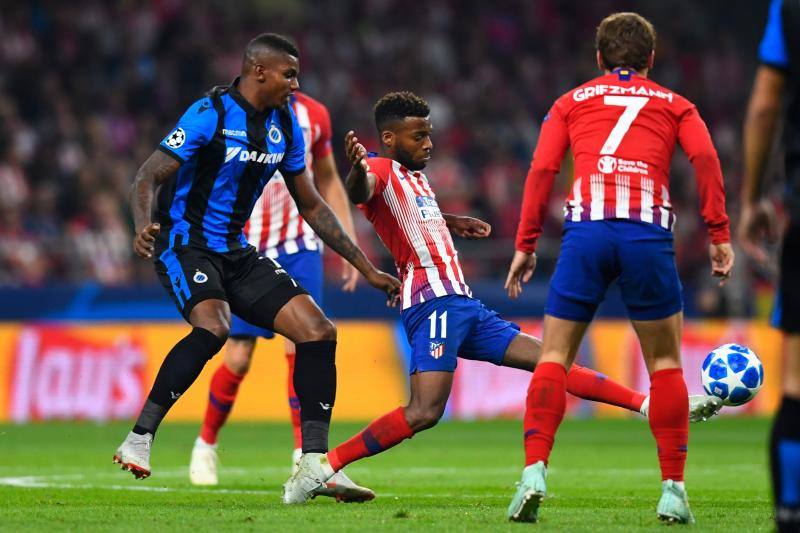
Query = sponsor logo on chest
x=428 y=208
x=255 y=156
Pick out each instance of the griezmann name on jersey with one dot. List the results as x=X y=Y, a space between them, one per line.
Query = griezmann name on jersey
x=622 y=129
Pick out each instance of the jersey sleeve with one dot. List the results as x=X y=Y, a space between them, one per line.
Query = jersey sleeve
x=550 y=150
x=772 y=50
x=322 y=145
x=294 y=162
x=695 y=140
x=194 y=130
x=380 y=168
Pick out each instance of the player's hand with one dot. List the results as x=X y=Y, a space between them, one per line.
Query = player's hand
x=355 y=151
x=350 y=275
x=722 y=257
x=386 y=283
x=144 y=241
x=757 y=222
x=521 y=270
x=469 y=228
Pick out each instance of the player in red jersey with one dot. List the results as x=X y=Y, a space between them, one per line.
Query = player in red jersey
x=278 y=232
x=441 y=319
x=622 y=128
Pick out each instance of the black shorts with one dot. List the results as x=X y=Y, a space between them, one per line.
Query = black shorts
x=787 y=309
x=242 y=278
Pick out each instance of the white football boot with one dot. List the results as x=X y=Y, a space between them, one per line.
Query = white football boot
x=530 y=492
x=673 y=507
x=134 y=454
x=204 y=464
x=701 y=407
x=313 y=471
x=345 y=490
x=315 y=477
x=296 y=455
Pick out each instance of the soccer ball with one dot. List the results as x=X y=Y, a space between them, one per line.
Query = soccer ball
x=733 y=373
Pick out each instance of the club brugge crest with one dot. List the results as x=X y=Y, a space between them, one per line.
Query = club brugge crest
x=437 y=349
x=275 y=134
x=200 y=277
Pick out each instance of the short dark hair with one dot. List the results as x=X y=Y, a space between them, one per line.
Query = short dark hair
x=625 y=40
x=272 y=41
x=399 y=105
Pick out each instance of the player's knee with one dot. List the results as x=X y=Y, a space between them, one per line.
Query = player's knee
x=322 y=329
x=423 y=417
x=239 y=355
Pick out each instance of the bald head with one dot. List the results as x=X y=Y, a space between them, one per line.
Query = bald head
x=259 y=50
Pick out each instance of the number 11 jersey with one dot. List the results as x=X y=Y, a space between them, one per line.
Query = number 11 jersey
x=622 y=128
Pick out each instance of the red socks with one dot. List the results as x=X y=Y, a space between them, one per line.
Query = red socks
x=294 y=403
x=544 y=410
x=591 y=385
x=224 y=386
x=383 y=433
x=669 y=420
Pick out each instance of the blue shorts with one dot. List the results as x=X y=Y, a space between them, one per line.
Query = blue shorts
x=594 y=253
x=442 y=329
x=306 y=268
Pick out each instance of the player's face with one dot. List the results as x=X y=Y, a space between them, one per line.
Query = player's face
x=279 y=71
x=412 y=142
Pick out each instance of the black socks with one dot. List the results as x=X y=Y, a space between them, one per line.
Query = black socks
x=315 y=385
x=178 y=371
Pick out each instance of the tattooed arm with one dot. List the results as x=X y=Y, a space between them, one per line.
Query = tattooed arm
x=153 y=172
x=319 y=216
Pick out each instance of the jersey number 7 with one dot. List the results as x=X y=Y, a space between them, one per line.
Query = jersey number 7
x=632 y=105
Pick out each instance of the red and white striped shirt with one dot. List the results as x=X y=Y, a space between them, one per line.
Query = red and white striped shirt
x=622 y=129
x=407 y=218
x=275 y=227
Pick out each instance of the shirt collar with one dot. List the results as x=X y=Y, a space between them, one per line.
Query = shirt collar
x=233 y=90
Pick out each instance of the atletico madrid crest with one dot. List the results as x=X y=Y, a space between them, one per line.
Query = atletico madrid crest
x=437 y=349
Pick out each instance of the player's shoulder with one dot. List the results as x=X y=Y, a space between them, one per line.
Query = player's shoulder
x=381 y=166
x=201 y=109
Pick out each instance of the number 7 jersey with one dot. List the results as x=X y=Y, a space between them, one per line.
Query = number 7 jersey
x=622 y=129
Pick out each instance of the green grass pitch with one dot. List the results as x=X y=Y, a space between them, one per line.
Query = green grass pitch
x=455 y=477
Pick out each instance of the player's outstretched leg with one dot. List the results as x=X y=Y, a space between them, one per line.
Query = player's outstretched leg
x=669 y=409
x=180 y=368
x=429 y=393
x=587 y=384
x=221 y=397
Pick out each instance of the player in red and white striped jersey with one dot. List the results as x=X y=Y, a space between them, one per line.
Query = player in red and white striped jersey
x=441 y=319
x=278 y=231
x=622 y=128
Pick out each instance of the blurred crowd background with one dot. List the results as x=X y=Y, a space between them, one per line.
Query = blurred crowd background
x=88 y=89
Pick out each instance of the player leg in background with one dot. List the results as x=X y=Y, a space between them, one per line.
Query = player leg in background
x=785 y=442
x=221 y=396
x=210 y=320
x=544 y=409
x=669 y=407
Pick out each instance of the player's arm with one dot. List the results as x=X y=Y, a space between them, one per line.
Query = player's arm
x=467 y=227
x=330 y=186
x=696 y=142
x=360 y=182
x=153 y=172
x=550 y=150
x=757 y=218
x=760 y=124
x=321 y=218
